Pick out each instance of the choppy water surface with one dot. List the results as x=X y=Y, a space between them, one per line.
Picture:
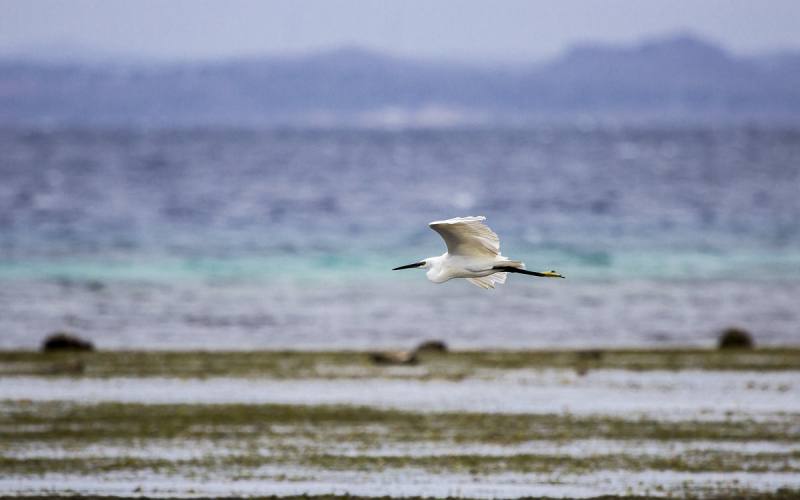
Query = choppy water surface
x=241 y=239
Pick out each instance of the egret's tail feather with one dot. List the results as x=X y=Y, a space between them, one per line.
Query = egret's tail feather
x=481 y=282
x=489 y=281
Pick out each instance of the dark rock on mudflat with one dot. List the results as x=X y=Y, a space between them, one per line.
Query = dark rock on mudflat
x=590 y=355
x=586 y=359
x=62 y=341
x=736 y=338
x=432 y=346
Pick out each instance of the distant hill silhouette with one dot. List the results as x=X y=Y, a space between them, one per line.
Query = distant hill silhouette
x=676 y=78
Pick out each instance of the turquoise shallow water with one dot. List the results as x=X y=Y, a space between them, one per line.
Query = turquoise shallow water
x=317 y=269
x=246 y=238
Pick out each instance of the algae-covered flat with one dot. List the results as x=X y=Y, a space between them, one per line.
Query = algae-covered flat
x=250 y=438
x=354 y=364
x=686 y=423
x=85 y=423
x=739 y=493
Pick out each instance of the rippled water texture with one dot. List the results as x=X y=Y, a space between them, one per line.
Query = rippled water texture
x=240 y=239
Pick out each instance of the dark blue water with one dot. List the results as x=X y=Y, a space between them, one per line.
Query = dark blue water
x=243 y=238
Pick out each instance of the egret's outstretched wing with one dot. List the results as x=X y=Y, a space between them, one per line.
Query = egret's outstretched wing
x=468 y=236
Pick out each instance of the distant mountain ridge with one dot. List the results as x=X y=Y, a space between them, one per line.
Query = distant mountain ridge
x=674 y=78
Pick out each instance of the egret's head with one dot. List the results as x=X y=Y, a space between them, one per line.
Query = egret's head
x=421 y=264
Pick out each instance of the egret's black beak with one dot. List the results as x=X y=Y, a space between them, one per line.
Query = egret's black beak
x=410 y=266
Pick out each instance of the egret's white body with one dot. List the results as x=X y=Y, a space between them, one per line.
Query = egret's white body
x=473 y=252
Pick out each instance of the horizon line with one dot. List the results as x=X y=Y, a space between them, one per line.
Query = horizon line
x=84 y=54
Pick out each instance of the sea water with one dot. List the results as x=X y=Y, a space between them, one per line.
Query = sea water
x=240 y=238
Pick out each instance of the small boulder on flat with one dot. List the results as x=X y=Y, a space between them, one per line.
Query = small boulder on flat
x=63 y=341
x=586 y=359
x=394 y=357
x=591 y=355
x=432 y=346
x=736 y=338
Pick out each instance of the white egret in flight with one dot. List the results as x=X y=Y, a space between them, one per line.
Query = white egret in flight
x=473 y=252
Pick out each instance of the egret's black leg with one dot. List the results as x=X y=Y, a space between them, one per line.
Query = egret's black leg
x=507 y=269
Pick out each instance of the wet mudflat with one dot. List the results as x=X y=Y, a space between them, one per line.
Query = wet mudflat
x=483 y=425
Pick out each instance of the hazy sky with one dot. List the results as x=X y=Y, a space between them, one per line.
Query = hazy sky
x=465 y=29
